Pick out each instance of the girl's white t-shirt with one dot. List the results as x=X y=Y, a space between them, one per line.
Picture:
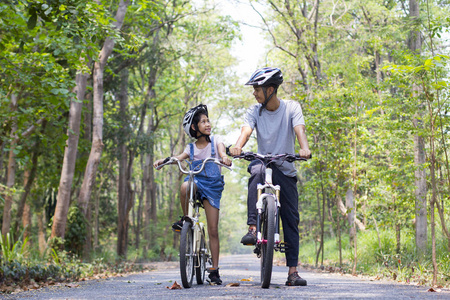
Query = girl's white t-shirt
x=205 y=152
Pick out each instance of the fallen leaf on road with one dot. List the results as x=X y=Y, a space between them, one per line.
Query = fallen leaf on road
x=431 y=290
x=247 y=279
x=71 y=285
x=233 y=284
x=175 y=286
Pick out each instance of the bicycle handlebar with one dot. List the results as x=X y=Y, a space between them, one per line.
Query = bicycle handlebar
x=250 y=156
x=170 y=160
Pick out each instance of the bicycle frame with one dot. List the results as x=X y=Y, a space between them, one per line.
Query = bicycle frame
x=268 y=189
x=193 y=216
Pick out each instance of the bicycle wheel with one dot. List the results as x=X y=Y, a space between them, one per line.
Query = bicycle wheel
x=267 y=247
x=200 y=269
x=186 y=255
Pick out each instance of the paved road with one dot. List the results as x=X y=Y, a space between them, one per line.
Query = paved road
x=154 y=285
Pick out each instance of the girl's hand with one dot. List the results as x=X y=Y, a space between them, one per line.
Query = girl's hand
x=157 y=163
x=226 y=160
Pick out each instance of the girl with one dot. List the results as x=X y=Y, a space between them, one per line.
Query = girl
x=209 y=188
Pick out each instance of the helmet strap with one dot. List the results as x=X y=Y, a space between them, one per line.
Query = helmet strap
x=267 y=98
x=201 y=134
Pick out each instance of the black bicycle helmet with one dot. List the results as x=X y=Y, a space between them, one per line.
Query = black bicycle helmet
x=266 y=77
x=189 y=118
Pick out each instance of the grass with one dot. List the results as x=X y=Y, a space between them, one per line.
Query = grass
x=22 y=268
x=381 y=262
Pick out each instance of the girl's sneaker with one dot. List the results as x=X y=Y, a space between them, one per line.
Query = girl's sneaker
x=214 y=277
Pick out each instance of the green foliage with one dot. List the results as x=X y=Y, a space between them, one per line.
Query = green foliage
x=75 y=235
x=381 y=262
x=12 y=250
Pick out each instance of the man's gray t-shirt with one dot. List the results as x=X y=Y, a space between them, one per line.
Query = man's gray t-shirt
x=275 y=130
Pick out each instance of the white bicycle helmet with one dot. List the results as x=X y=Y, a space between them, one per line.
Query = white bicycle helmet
x=266 y=77
x=189 y=117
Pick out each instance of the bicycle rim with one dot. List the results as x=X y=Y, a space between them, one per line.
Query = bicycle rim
x=267 y=248
x=200 y=266
x=186 y=255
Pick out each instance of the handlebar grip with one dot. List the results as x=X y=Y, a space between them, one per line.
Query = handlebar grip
x=166 y=160
x=227 y=150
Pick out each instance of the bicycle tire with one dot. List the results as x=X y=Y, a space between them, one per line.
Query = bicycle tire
x=268 y=234
x=200 y=270
x=186 y=255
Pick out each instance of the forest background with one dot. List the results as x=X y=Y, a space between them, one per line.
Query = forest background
x=92 y=92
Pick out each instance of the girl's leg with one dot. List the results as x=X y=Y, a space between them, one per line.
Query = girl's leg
x=212 y=219
x=184 y=197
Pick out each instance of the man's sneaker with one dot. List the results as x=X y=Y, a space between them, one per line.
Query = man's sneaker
x=295 y=279
x=214 y=277
x=178 y=225
x=250 y=238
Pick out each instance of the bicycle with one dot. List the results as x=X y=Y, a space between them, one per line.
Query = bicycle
x=194 y=250
x=268 y=217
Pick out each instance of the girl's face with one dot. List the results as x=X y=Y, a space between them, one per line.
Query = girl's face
x=204 y=126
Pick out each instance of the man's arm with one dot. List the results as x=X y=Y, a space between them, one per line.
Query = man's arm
x=300 y=132
x=246 y=132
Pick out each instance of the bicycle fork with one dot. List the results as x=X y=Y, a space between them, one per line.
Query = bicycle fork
x=268 y=196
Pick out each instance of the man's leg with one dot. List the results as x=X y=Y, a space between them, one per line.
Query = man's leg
x=257 y=174
x=289 y=214
x=290 y=218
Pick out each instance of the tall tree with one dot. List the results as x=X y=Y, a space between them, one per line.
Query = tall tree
x=415 y=45
x=98 y=94
x=11 y=177
x=70 y=156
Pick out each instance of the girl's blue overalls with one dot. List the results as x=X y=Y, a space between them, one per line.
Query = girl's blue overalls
x=209 y=182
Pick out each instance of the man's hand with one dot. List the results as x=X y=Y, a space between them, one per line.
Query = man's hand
x=305 y=153
x=235 y=151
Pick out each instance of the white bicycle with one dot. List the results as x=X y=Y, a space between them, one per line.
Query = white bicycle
x=194 y=249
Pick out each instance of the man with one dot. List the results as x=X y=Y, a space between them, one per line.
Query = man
x=277 y=122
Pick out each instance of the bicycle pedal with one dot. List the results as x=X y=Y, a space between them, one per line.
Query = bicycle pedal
x=281 y=247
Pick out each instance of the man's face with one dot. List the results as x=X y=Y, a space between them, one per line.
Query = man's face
x=259 y=94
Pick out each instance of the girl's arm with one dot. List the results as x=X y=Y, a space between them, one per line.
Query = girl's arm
x=223 y=155
x=180 y=157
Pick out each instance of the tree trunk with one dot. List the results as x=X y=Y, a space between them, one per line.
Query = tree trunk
x=26 y=222
x=355 y=189
x=10 y=179
x=41 y=233
x=124 y=192
x=70 y=156
x=2 y=154
x=139 y=209
x=150 y=190
x=150 y=193
x=97 y=128
x=351 y=214
x=28 y=182
x=432 y=215
x=415 y=45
